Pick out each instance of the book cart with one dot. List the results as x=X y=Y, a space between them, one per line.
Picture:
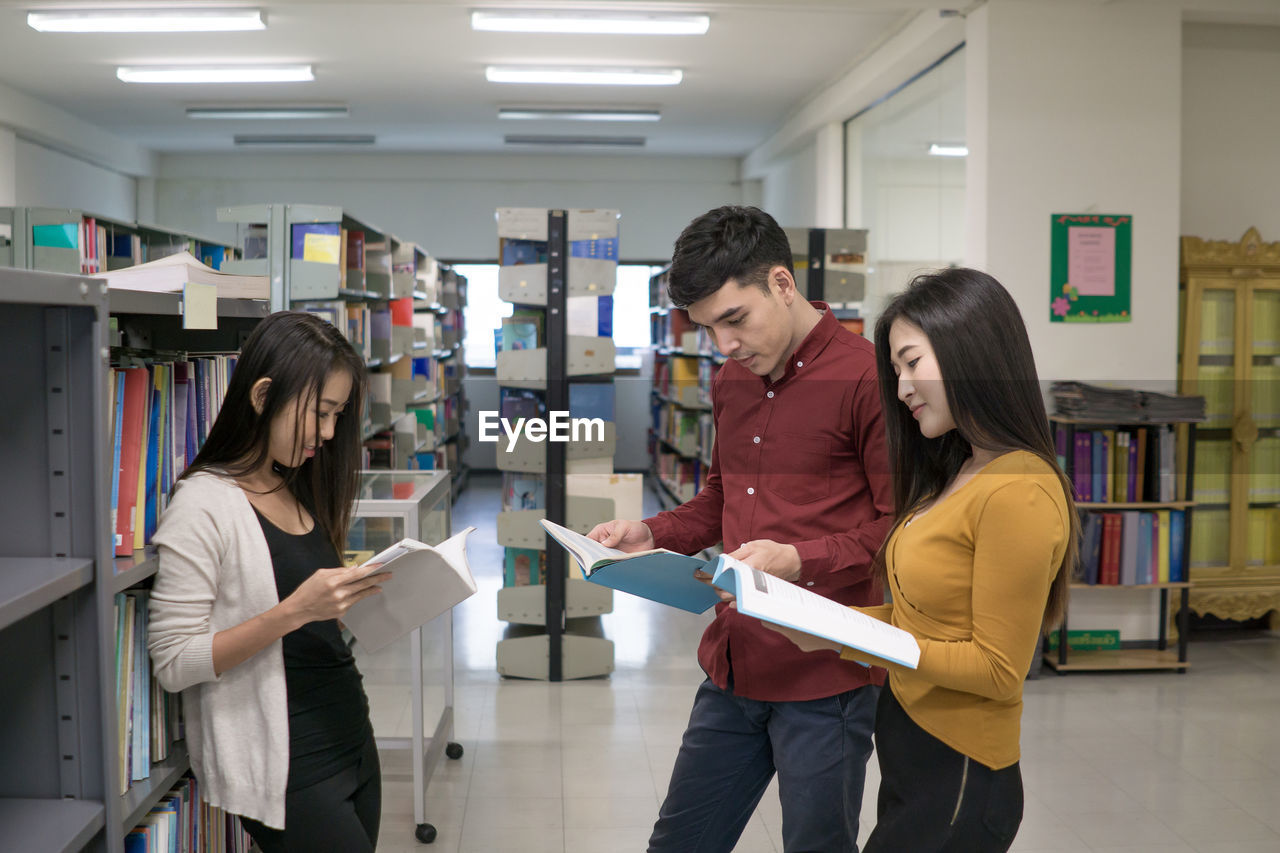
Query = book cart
x=1134 y=658
x=394 y=505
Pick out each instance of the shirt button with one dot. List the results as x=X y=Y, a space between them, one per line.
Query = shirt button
x=756 y=439
x=810 y=583
x=769 y=395
x=800 y=364
x=751 y=491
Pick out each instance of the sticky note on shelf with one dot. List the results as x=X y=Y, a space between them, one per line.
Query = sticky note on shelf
x=322 y=248
x=199 y=306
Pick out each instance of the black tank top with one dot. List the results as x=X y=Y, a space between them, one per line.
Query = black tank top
x=328 y=711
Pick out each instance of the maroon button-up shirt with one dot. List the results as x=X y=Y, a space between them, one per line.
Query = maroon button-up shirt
x=800 y=461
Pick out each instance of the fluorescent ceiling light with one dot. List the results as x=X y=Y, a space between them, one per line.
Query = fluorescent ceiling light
x=608 y=23
x=579 y=113
x=215 y=74
x=281 y=111
x=590 y=141
x=584 y=76
x=939 y=149
x=146 y=20
x=310 y=139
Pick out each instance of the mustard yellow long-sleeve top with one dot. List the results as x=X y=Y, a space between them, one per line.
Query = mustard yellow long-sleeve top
x=969 y=579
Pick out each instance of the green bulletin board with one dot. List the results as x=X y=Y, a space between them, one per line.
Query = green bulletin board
x=1090 y=268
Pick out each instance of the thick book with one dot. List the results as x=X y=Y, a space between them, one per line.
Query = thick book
x=426 y=581
x=772 y=599
x=658 y=574
x=172 y=273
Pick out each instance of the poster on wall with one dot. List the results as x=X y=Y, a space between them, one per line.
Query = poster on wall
x=1090 y=268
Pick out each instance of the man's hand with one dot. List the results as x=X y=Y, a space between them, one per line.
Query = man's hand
x=779 y=560
x=804 y=642
x=624 y=535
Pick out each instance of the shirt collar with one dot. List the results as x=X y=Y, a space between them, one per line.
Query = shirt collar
x=812 y=345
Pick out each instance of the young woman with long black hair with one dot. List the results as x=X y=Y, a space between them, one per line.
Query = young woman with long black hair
x=250 y=586
x=977 y=563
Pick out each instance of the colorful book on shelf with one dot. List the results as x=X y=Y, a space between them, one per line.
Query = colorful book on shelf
x=1177 y=546
x=523 y=566
x=1083 y=468
x=658 y=575
x=1109 y=570
x=772 y=599
x=132 y=419
x=1145 y=554
x=316 y=241
x=1091 y=549
x=1160 y=541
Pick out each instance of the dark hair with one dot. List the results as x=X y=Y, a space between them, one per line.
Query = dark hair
x=731 y=242
x=989 y=377
x=297 y=351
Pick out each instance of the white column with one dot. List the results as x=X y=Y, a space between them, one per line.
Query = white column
x=1076 y=108
x=829 y=176
x=8 y=168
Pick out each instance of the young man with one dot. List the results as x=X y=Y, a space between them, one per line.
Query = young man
x=798 y=487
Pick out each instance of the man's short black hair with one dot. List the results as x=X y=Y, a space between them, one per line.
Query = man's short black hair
x=730 y=242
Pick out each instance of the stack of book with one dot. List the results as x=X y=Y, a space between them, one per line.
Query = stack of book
x=1082 y=401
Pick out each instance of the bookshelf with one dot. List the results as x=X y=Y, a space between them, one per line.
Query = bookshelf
x=1134 y=482
x=681 y=429
x=74 y=241
x=1230 y=354
x=59 y=741
x=398 y=306
x=54 y=616
x=559 y=268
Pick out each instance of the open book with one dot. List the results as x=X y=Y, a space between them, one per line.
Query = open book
x=425 y=582
x=772 y=599
x=658 y=575
x=172 y=273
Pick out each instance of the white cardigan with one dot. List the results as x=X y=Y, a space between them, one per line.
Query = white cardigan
x=215 y=572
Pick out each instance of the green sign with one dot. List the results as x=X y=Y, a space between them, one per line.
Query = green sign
x=1091 y=268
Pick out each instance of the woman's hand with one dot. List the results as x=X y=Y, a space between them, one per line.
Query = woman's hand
x=805 y=642
x=330 y=593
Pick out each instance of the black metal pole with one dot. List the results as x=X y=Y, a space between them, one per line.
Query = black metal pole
x=557 y=401
x=817 y=264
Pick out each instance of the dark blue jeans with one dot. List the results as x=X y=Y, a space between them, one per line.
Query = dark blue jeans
x=731 y=750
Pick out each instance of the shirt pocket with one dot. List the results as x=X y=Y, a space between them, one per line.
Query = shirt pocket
x=798 y=468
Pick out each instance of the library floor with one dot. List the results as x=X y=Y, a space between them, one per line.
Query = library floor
x=1118 y=762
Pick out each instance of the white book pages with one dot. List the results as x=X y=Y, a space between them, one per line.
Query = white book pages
x=772 y=599
x=426 y=581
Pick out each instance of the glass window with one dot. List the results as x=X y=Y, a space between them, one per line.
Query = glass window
x=484 y=312
x=911 y=201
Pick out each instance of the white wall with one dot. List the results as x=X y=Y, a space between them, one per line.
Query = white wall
x=47 y=178
x=446 y=202
x=790 y=188
x=1230 y=131
x=1075 y=108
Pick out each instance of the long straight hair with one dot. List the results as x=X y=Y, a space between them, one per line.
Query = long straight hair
x=989 y=377
x=297 y=351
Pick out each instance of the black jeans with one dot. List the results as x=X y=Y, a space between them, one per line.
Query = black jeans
x=339 y=814
x=934 y=799
x=733 y=747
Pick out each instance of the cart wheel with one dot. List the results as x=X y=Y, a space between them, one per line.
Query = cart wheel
x=453 y=750
x=426 y=833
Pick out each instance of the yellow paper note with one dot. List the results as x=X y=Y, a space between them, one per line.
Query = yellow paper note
x=322 y=248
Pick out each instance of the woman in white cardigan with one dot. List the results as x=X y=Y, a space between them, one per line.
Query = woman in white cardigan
x=249 y=590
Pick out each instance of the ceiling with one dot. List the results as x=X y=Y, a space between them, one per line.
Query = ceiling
x=412 y=73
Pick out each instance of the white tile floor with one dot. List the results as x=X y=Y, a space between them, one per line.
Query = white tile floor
x=1115 y=763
